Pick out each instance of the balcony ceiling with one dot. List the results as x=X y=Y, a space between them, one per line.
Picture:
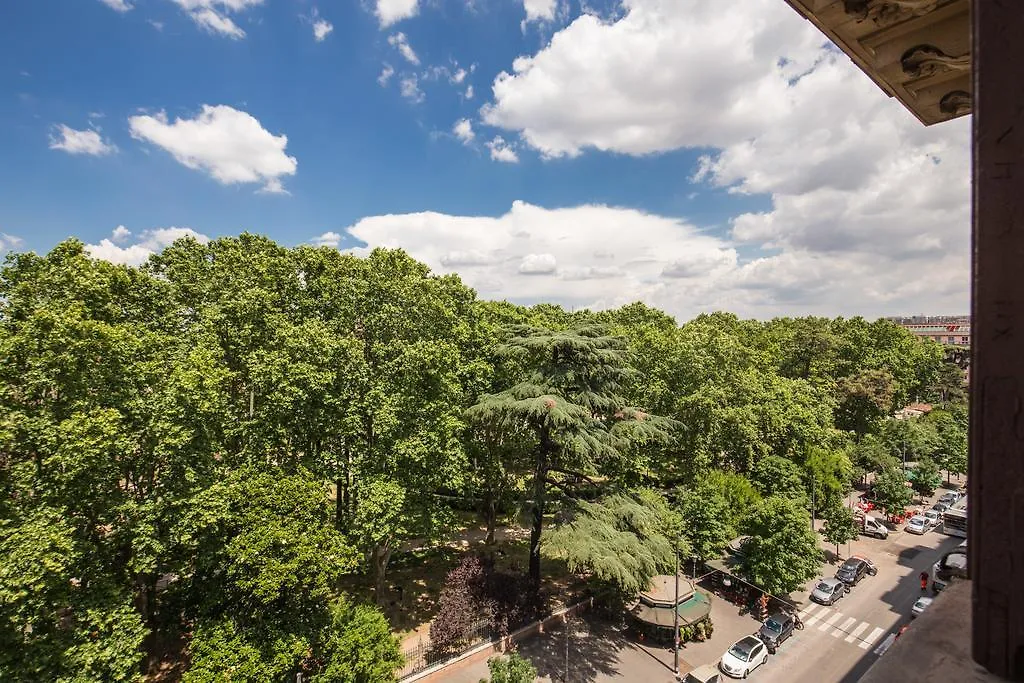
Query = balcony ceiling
x=918 y=51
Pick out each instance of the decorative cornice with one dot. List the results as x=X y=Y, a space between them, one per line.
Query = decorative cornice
x=956 y=103
x=927 y=60
x=887 y=12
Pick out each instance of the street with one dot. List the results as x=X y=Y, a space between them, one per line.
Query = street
x=837 y=645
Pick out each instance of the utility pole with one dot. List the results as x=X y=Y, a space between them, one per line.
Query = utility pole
x=567 y=618
x=675 y=618
x=812 y=501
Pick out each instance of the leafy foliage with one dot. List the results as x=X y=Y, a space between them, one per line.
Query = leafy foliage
x=623 y=539
x=840 y=526
x=571 y=405
x=476 y=591
x=705 y=515
x=782 y=551
x=891 y=491
x=203 y=449
x=925 y=477
x=511 y=668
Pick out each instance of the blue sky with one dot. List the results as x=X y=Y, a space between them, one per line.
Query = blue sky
x=672 y=151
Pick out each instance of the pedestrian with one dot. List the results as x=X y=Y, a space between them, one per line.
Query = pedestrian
x=924 y=581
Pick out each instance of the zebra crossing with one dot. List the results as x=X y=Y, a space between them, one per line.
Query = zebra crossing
x=840 y=626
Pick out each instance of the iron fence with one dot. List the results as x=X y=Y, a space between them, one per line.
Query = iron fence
x=422 y=655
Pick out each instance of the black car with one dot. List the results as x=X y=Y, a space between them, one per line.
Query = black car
x=776 y=629
x=953 y=565
x=854 y=569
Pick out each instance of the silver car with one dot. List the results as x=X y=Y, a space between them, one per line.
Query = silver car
x=827 y=591
x=918 y=524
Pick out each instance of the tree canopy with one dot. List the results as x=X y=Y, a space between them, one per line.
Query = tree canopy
x=202 y=456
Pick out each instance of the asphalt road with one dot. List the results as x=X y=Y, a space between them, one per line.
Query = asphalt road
x=839 y=643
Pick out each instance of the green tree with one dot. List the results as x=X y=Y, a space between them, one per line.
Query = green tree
x=623 y=540
x=358 y=646
x=782 y=551
x=778 y=476
x=891 y=491
x=925 y=477
x=511 y=668
x=840 y=526
x=571 y=405
x=829 y=475
x=739 y=494
x=705 y=515
x=864 y=399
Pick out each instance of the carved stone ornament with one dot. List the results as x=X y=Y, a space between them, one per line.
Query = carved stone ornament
x=956 y=103
x=927 y=60
x=887 y=12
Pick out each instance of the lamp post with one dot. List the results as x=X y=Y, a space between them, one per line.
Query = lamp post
x=675 y=619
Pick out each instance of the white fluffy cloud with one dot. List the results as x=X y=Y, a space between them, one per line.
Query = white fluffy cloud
x=321 y=27
x=120 y=234
x=585 y=255
x=392 y=11
x=149 y=243
x=73 y=141
x=118 y=5
x=409 y=86
x=463 y=130
x=327 y=239
x=862 y=197
x=9 y=242
x=540 y=10
x=502 y=150
x=401 y=43
x=228 y=144
x=214 y=15
x=385 y=74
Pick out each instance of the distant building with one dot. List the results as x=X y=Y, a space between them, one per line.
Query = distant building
x=950 y=334
x=913 y=410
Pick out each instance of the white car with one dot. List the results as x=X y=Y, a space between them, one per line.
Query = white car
x=743 y=657
x=918 y=524
x=920 y=606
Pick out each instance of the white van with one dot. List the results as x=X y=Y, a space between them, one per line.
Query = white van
x=871 y=526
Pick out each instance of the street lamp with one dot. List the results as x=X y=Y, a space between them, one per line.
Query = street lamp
x=675 y=618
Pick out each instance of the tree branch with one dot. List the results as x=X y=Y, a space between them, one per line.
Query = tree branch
x=573 y=473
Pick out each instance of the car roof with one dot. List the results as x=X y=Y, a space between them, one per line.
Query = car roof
x=830 y=581
x=918 y=518
x=749 y=641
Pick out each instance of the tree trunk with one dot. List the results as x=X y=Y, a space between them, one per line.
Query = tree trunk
x=539 y=491
x=490 y=517
x=340 y=496
x=381 y=555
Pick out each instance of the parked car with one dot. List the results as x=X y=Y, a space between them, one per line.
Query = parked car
x=776 y=629
x=949 y=497
x=744 y=656
x=941 y=507
x=827 y=591
x=855 y=569
x=872 y=526
x=920 y=606
x=952 y=565
x=918 y=524
x=703 y=674
x=934 y=517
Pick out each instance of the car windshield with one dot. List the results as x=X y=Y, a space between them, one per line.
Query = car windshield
x=918 y=520
x=773 y=625
x=741 y=650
